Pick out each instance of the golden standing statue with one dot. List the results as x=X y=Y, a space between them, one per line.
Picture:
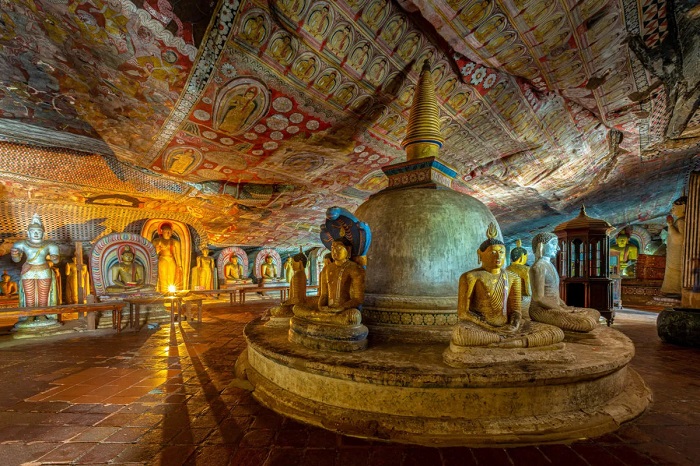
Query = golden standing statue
x=518 y=261
x=73 y=277
x=169 y=254
x=203 y=274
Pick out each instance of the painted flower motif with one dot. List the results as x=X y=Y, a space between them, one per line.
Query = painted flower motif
x=250 y=136
x=228 y=70
x=478 y=76
x=490 y=81
x=468 y=68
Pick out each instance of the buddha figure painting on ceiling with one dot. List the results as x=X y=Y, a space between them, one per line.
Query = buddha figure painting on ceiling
x=393 y=30
x=254 y=29
x=340 y=40
x=242 y=109
x=318 y=22
x=281 y=49
x=547 y=306
x=488 y=308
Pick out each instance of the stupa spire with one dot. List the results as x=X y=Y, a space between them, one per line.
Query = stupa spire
x=423 y=136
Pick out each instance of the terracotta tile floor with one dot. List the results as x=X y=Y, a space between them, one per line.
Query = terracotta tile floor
x=166 y=398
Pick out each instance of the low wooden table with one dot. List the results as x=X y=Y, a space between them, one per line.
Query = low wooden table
x=90 y=309
x=230 y=291
x=192 y=300
x=262 y=289
x=135 y=309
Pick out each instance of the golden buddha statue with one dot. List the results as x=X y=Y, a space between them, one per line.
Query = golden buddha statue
x=518 y=261
x=297 y=289
x=288 y=269
x=341 y=291
x=169 y=254
x=488 y=305
x=7 y=286
x=675 y=242
x=268 y=270
x=127 y=274
x=203 y=276
x=73 y=277
x=547 y=306
x=628 y=253
x=233 y=270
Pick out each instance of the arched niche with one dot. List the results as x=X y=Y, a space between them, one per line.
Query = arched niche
x=225 y=256
x=151 y=231
x=260 y=258
x=106 y=252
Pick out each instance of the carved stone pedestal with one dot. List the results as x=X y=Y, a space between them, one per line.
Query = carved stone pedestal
x=401 y=392
x=327 y=337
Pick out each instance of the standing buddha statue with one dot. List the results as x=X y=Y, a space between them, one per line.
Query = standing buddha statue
x=169 y=254
x=675 y=242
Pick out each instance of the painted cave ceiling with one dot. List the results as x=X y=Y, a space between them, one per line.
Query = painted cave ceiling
x=247 y=119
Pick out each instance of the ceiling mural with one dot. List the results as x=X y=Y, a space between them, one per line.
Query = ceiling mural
x=250 y=118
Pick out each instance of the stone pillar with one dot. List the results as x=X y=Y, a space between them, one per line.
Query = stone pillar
x=690 y=294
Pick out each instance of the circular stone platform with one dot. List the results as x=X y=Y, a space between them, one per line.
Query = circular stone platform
x=406 y=393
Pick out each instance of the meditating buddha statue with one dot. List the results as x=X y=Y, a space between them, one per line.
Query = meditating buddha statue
x=488 y=305
x=279 y=315
x=341 y=291
x=546 y=305
x=7 y=286
x=268 y=270
x=518 y=261
x=628 y=254
x=233 y=271
x=127 y=274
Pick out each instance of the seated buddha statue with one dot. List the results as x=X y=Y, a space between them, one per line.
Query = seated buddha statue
x=233 y=271
x=268 y=270
x=628 y=254
x=297 y=290
x=518 y=261
x=488 y=305
x=341 y=290
x=546 y=305
x=127 y=274
x=7 y=286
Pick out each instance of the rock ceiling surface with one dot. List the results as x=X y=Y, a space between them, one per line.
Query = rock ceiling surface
x=247 y=119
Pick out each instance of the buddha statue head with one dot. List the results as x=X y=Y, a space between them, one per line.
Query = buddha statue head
x=126 y=255
x=492 y=252
x=166 y=230
x=205 y=252
x=678 y=207
x=233 y=259
x=299 y=261
x=5 y=276
x=35 y=230
x=518 y=255
x=622 y=239
x=545 y=245
x=340 y=250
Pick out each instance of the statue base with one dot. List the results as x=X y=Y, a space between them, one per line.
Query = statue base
x=475 y=356
x=37 y=327
x=416 y=398
x=411 y=319
x=327 y=337
x=666 y=301
x=680 y=326
x=280 y=315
